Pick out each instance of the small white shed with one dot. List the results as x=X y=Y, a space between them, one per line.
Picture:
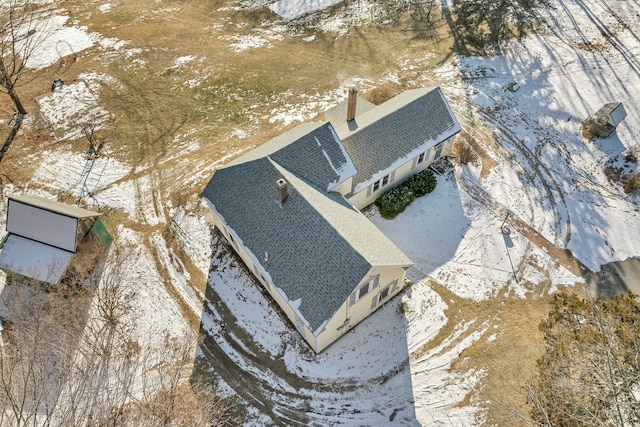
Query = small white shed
x=47 y=221
x=607 y=118
x=612 y=114
x=51 y=242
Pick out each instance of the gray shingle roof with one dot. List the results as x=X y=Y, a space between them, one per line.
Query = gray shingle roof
x=415 y=119
x=312 y=151
x=319 y=247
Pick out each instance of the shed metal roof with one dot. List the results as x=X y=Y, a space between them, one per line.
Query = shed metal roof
x=34 y=259
x=612 y=113
x=55 y=206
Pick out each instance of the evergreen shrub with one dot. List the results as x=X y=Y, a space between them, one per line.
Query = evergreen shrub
x=396 y=200
x=422 y=183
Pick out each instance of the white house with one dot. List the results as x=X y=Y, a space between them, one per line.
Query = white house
x=290 y=208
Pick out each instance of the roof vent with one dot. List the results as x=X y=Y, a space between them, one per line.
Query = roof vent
x=351 y=104
x=282 y=191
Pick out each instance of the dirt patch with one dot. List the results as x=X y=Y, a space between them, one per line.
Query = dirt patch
x=593 y=46
x=487 y=161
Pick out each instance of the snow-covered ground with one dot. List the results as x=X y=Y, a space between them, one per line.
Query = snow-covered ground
x=547 y=175
x=72 y=103
x=455 y=239
x=59 y=40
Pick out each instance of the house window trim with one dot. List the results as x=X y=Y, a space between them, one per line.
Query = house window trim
x=382 y=299
x=370 y=286
x=421 y=158
x=390 y=290
x=359 y=294
x=382 y=183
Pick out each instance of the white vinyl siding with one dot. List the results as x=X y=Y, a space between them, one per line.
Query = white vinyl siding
x=42 y=225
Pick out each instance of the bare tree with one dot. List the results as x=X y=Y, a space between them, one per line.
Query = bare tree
x=20 y=37
x=72 y=357
x=492 y=21
x=95 y=140
x=23 y=29
x=418 y=10
x=590 y=371
x=35 y=355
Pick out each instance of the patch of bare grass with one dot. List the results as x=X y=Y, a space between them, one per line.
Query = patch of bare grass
x=593 y=46
x=585 y=129
x=381 y=94
x=631 y=183
x=152 y=103
x=471 y=150
x=507 y=352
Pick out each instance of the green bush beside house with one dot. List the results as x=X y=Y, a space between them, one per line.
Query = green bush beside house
x=396 y=200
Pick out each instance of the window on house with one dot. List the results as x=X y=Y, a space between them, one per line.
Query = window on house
x=438 y=152
x=421 y=158
x=364 y=289
x=384 y=294
x=381 y=182
x=232 y=240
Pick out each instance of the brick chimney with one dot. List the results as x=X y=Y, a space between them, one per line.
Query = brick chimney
x=281 y=190
x=351 y=104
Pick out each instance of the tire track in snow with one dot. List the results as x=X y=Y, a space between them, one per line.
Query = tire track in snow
x=531 y=168
x=563 y=256
x=265 y=383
